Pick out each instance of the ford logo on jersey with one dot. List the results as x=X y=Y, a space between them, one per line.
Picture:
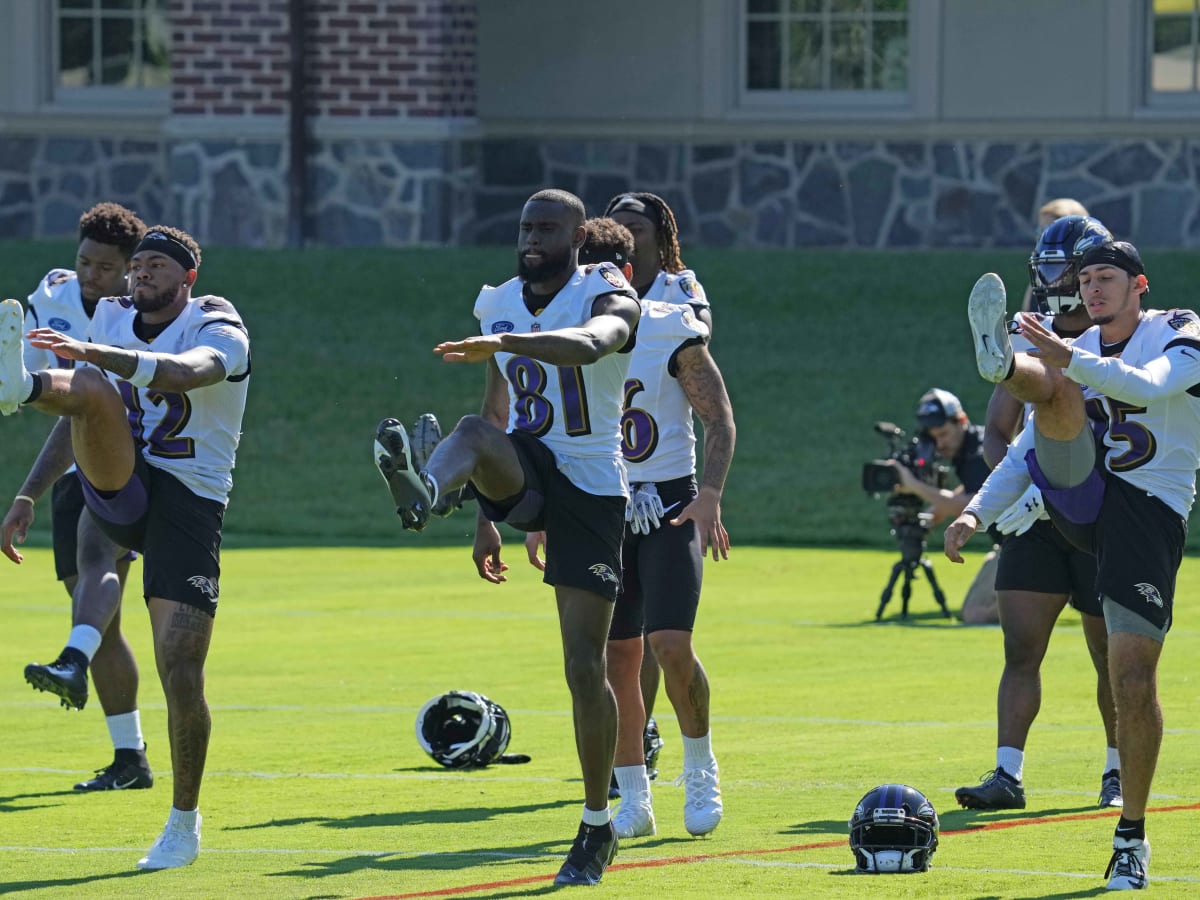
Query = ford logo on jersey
x=500 y=327
x=59 y=324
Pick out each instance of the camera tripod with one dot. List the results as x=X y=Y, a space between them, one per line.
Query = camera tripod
x=911 y=538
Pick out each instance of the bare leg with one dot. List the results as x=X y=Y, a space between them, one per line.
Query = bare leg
x=100 y=435
x=583 y=621
x=686 y=681
x=1058 y=402
x=649 y=677
x=624 y=662
x=1096 y=636
x=181 y=638
x=1027 y=620
x=114 y=668
x=479 y=452
x=1132 y=670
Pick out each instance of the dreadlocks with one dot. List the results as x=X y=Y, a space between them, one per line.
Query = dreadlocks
x=112 y=224
x=666 y=232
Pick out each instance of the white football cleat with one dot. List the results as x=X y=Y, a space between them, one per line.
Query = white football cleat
x=986 y=310
x=635 y=818
x=174 y=848
x=702 y=808
x=1129 y=865
x=12 y=368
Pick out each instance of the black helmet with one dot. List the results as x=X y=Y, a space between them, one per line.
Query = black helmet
x=894 y=829
x=1054 y=263
x=462 y=729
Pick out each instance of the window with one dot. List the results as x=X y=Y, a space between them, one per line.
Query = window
x=829 y=46
x=111 y=44
x=1174 y=40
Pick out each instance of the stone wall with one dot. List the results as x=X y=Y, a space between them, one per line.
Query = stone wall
x=974 y=194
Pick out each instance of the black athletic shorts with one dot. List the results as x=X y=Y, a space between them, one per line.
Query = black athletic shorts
x=583 y=531
x=1138 y=542
x=1044 y=562
x=177 y=532
x=663 y=571
x=66 y=505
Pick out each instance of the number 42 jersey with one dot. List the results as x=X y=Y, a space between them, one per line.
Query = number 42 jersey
x=193 y=435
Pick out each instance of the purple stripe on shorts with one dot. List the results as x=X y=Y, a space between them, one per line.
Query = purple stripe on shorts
x=126 y=507
x=1079 y=504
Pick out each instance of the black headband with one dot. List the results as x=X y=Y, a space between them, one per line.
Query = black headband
x=1120 y=254
x=636 y=206
x=591 y=253
x=159 y=242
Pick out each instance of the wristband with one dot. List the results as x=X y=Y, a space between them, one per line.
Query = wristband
x=147 y=364
x=26 y=498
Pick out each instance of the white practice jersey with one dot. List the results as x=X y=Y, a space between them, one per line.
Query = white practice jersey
x=193 y=435
x=573 y=410
x=1146 y=405
x=55 y=304
x=658 y=438
x=681 y=287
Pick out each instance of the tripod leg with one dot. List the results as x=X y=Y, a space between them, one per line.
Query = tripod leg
x=906 y=590
x=937 y=591
x=887 y=590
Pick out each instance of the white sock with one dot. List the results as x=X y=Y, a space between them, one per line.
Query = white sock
x=184 y=820
x=633 y=782
x=85 y=639
x=1112 y=759
x=697 y=752
x=126 y=731
x=432 y=485
x=596 y=817
x=1012 y=761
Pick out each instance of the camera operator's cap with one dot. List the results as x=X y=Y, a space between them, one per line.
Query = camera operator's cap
x=936 y=406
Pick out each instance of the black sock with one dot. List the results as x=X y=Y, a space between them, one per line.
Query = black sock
x=1131 y=829
x=37 y=389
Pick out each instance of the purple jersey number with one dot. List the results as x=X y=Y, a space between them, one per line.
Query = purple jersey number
x=535 y=413
x=639 y=431
x=164 y=440
x=1142 y=447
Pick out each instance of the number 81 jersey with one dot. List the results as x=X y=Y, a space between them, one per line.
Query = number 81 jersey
x=573 y=410
x=192 y=435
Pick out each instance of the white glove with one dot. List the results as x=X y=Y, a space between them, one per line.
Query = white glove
x=1019 y=517
x=645 y=510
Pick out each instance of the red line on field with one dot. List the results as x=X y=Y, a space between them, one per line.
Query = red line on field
x=703 y=857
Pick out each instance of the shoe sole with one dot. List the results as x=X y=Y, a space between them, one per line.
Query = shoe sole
x=966 y=801
x=43 y=682
x=702 y=832
x=12 y=324
x=986 y=310
x=425 y=436
x=392 y=456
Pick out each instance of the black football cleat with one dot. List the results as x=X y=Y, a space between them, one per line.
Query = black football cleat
x=593 y=849
x=66 y=678
x=129 y=771
x=393 y=456
x=426 y=434
x=997 y=790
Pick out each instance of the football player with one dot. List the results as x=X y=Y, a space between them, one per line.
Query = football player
x=153 y=421
x=545 y=456
x=671 y=377
x=1116 y=464
x=90 y=566
x=1039 y=571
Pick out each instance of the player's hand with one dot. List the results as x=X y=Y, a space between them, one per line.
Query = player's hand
x=16 y=525
x=1047 y=345
x=473 y=349
x=705 y=511
x=957 y=534
x=486 y=553
x=644 y=511
x=1019 y=517
x=535 y=541
x=57 y=343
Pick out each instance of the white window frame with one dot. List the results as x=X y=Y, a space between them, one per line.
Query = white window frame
x=1167 y=102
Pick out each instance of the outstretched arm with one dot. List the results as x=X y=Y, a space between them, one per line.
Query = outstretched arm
x=179 y=372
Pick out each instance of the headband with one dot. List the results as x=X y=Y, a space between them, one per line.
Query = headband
x=163 y=243
x=636 y=206
x=1120 y=254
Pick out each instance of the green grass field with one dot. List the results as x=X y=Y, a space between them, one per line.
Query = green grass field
x=316 y=787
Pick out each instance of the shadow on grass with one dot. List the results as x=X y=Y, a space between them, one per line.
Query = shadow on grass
x=5 y=802
x=831 y=828
x=410 y=817
x=980 y=819
x=9 y=887
x=1066 y=895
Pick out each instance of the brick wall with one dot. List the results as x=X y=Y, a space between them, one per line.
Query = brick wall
x=365 y=58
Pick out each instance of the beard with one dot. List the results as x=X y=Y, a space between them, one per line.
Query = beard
x=148 y=301
x=547 y=269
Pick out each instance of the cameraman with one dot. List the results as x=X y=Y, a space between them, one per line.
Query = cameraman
x=944 y=424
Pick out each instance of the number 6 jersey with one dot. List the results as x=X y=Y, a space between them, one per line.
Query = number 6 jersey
x=192 y=435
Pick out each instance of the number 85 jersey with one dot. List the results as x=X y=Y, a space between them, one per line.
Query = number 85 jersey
x=192 y=435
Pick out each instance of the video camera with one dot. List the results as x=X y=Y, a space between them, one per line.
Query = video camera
x=917 y=454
